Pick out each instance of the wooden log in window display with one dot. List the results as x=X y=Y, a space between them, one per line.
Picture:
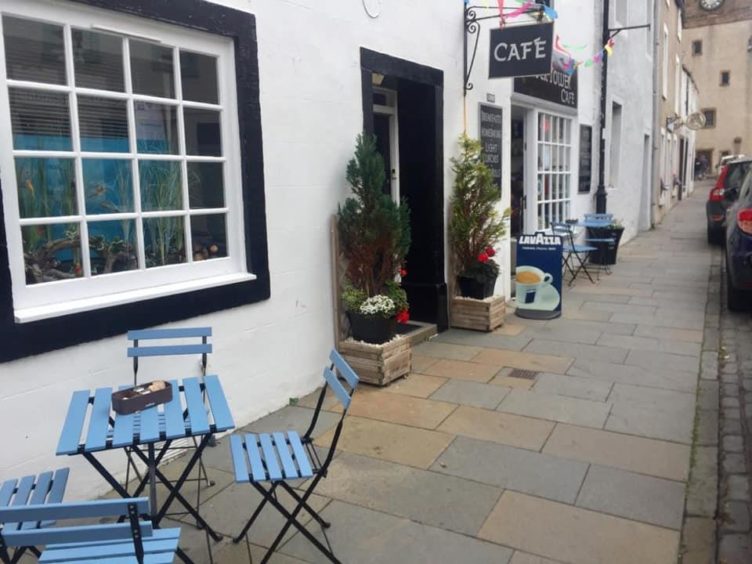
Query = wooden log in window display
x=378 y=364
x=478 y=315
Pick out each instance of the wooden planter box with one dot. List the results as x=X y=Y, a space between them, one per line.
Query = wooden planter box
x=378 y=364
x=478 y=315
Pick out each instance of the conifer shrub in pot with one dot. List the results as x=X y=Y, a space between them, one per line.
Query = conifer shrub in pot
x=374 y=234
x=475 y=224
x=606 y=253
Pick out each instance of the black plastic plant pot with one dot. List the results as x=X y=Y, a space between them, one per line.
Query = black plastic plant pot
x=472 y=288
x=372 y=329
x=606 y=252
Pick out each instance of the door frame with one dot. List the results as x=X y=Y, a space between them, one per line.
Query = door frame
x=392 y=111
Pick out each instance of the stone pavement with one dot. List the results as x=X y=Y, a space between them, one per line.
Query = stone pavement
x=568 y=440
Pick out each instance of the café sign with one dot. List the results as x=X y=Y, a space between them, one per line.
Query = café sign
x=558 y=86
x=521 y=50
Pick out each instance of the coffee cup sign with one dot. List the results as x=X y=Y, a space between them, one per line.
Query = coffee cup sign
x=521 y=50
x=537 y=277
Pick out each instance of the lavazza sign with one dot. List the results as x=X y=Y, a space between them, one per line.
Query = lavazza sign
x=521 y=51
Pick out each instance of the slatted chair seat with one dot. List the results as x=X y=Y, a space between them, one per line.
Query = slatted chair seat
x=47 y=487
x=132 y=541
x=264 y=452
x=276 y=458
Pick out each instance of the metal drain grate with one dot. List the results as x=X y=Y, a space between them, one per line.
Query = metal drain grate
x=523 y=374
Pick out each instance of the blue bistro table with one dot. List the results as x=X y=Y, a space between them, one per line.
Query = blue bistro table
x=92 y=427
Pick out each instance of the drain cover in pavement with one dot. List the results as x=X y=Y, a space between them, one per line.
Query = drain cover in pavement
x=524 y=374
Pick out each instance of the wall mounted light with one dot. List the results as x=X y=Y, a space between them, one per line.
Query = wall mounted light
x=377 y=78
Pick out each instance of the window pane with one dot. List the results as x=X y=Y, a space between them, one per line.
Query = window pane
x=156 y=128
x=209 y=236
x=198 y=74
x=51 y=252
x=164 y=241
x=40 y=120
x=160 y=185
x=206 y=185
x=202 y=132
x=46 y=187
x=103 y=124
x=107 y=185
x=98 y=60
x=152 y=69
x=113 y=246
x=34 y=51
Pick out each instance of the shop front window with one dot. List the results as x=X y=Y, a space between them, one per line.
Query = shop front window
x=554 y=175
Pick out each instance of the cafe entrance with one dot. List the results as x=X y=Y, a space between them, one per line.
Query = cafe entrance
x=403 y=108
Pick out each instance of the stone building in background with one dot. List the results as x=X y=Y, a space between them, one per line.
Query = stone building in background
x=719 y=55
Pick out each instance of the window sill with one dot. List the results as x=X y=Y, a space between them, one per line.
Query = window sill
x=27 y=315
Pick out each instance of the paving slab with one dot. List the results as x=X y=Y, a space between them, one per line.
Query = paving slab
x=616 y=290
x=564 y=332
x=575 y=313
x=489 y=340
x=418 y=385
x=504 y=428
x=650 y=344
x=645 y=456
x=572 y=386
x=365 y=536
x=513 y=468
x=396 y=443
x=658 y=361
x=520 y=557
x=578 y=351
x=698 y=541
x=420 y=362
x=578 y=535
x=238 y=554
x=684 y=381
x=668 y=321
x=445 y=350
x=702 y=492
x=556 y=408
x=471 y=393
x=462 y=370
x=648 y=421
x=634 y=496
x=524 y=360
x=510 y=329
x=619 y=307
x=426 y=497
x=662 y=399
x=374 y=403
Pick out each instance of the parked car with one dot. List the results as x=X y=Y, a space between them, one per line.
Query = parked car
x=723 y=195
x=739 y=249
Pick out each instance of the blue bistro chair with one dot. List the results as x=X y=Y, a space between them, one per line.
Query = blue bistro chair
x=598 y=219
x=48 y=487
x=256 y=459
x=575 y=255
x=133 y=540
x=166 y=346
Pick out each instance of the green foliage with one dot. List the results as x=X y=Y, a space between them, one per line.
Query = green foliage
x=374 y=231
x=474 y=223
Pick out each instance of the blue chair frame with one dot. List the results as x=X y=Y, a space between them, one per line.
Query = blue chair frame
x=256 y=460
x=103 y=542
x=575 y=255
x=48 y=487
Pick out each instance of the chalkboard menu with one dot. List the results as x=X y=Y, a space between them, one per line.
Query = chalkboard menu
x=490 y=140
x=586 y=158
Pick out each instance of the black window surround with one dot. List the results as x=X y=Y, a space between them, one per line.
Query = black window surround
x=19 y=340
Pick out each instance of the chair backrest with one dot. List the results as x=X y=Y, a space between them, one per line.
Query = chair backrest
x=563 y=230
x=34 y=490
x=133 y=528
x=138 y=350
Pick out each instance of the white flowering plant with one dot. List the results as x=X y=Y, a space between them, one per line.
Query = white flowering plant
x=380 y=305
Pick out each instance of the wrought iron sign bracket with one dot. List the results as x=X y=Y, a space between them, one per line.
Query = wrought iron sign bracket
x=614 y=31
x=472 y=26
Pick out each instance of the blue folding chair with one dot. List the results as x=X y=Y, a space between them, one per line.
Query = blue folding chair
x=140 y=350
x=575 y=255
x=598 y=219
x=256 y=459
x=48 y=487
x=134 y=540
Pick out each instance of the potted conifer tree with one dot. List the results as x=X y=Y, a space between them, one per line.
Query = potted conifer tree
x=475 y=226
x=374 y=239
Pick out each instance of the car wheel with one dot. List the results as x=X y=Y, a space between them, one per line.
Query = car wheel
x=737 y=300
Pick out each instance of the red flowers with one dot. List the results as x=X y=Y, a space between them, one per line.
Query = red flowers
x=490 y=251
x=483 y=257
x=403 y=272
x=403 y=316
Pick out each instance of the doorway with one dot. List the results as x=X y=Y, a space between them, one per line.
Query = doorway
x=403 y=108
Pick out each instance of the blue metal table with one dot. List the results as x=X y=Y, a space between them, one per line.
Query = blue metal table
x=198 y=409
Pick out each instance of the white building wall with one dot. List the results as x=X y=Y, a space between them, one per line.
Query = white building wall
x=630 y=83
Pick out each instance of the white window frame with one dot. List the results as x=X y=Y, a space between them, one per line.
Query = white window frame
x=558 y=206
x=664 y=64
x=678 y=23
x=677 y=85
x=63 y=297
x=649 y=32
x=615 y=143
